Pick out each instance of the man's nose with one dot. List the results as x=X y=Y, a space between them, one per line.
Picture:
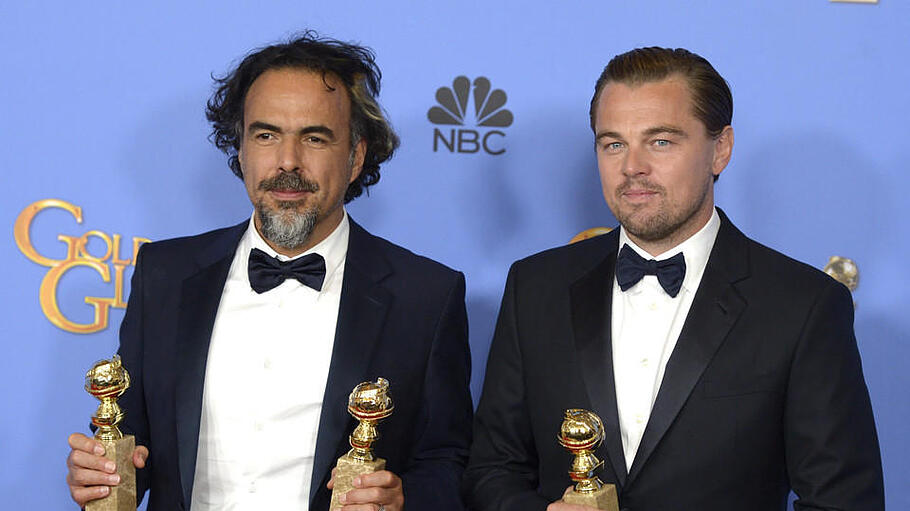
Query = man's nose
x=636 y=162
x=289 y=155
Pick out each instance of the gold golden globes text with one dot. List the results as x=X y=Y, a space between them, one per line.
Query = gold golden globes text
x=77 y=255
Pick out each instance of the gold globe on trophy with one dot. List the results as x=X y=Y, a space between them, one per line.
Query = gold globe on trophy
x=107 y=380
x=581 y=433
x=845 y=271
x=369 y=403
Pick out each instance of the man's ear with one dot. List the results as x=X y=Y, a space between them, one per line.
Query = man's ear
x=723 y=150
x=357 y=159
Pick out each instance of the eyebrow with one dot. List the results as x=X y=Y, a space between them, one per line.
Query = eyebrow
x=670 y=130
x=264 y=126
x=650 y=132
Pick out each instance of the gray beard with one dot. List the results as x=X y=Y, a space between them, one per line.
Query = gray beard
x=286 y=227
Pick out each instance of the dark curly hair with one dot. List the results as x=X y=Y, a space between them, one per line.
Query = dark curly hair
x=354 y=65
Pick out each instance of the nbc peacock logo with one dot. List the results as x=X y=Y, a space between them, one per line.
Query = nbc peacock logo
x=486 y=112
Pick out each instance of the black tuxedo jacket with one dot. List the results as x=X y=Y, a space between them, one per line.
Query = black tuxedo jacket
x=763 y=393
x=401 y=316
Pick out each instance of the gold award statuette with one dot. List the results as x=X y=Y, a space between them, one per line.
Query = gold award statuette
x=581 y=432
x=845 y=271
x=369 y=403
x=107 y=380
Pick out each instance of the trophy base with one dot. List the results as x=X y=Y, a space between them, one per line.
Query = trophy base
x=604 y=498
x=347 y=469
x=123 y=496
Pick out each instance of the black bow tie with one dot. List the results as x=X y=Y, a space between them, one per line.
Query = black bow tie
x=267 y=272
x=631 y=267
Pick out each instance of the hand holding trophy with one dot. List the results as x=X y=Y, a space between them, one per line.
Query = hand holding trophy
x=581 y=432
x=107 y=380
x=369 y=403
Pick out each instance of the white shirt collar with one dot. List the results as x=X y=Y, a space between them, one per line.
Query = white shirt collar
x=334 y=248
x=696 y=250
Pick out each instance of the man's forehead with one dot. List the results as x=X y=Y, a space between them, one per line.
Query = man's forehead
x=670 y=97
x=298 y=86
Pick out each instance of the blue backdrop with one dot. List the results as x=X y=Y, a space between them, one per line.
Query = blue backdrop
x=102 y=111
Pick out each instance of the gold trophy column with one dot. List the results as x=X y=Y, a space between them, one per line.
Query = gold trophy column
x=107 y=380
x=581 y=432
x=369 y=403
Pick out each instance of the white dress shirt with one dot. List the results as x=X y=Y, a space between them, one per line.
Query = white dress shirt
x=268 y=362
x=646 y=323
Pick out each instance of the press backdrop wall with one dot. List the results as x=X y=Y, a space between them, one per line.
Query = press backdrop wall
x=104 y=144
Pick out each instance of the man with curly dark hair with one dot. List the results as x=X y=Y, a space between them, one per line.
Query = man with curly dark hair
x=243 y=343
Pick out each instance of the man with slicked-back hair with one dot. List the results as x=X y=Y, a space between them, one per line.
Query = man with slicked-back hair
x=726 y=374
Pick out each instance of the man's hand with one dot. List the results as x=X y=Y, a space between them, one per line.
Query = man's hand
x=372 y=492
x=559 y=505
x=90 y=474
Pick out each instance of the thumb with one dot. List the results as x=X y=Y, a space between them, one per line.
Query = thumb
x=140 y=455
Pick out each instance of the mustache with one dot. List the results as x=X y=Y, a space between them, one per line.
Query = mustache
x=639 y=184
x=288 y=181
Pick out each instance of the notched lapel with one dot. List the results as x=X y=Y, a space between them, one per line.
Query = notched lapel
x=715 y=309
x=361 y=315
x=591 y=302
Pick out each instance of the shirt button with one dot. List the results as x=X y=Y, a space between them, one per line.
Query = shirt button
x=653 y=306
x=267 y=364
x=257 y=427
x=639 y=419
x=252 y=488
x=644 y=362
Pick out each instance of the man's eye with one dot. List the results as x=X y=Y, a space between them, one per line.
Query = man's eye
x=613 y=146
x=315 y=140
x=662 y=143
x=264 y=136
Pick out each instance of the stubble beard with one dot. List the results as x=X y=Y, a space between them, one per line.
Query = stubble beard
x=664 y=224
x=287 y=225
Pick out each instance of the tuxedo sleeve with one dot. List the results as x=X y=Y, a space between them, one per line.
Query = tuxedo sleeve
x=433 y=474
x=131 y=353
x=832 y=450
x=502 y=472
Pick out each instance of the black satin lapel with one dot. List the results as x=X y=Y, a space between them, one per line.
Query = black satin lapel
x=361 y=314
x=198 y=306
x=592 y=298
x=714 y=311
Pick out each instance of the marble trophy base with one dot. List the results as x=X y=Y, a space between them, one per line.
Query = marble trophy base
x=346 y=470
x=123 y=496
x=604 y=498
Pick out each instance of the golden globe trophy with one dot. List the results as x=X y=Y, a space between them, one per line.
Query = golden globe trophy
x=581 y=432
x=107 y=380
x=369 y=403
x=845 y=271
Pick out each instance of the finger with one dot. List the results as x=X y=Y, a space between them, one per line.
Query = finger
x=80 y=459
x=85 y=477
x=331 y=484
x=83 y=443
x=372 y=495
x=140 y=454
x=382 y=479
x=84 y=495
x=362 y=507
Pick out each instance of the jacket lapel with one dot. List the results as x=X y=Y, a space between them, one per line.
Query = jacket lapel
x=361 y=314
x=716 y=307
x=591 y=302
x=199 y=299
